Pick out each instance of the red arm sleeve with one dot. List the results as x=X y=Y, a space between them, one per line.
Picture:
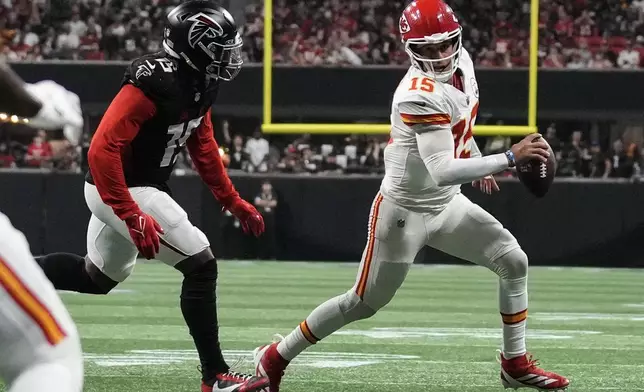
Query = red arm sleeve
x=120 y=124
x=204 y=151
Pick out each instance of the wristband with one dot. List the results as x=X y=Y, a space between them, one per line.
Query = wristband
x=510 y=155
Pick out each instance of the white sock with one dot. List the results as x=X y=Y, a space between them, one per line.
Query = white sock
x=322 y=322
x=296 y=342
x=513 y=304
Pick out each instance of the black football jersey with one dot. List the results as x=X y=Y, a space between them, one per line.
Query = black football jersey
x=181 y=102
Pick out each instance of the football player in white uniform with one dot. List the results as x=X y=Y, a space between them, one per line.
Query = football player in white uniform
x=430 y=154
x=39 y=344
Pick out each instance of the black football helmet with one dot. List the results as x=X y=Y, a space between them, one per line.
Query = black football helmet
x=204 y=35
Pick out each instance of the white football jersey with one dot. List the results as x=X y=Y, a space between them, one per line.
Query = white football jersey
x=421 y=100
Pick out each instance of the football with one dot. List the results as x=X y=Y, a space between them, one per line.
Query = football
x=538 y=176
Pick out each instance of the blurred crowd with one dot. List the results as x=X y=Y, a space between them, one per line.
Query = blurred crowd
x=579 y=153
x=574 y=34
x=301 y=154
x=21 y=147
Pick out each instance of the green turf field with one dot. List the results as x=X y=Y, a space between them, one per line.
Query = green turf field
x=439 y=334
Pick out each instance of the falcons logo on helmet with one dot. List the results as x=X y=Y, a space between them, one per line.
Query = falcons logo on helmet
x=203 y=26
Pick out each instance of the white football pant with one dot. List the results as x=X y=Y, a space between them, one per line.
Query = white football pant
x=110 y=247
x=396 y=235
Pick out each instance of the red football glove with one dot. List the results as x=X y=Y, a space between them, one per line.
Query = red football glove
x=248 y=215
x=144 y=231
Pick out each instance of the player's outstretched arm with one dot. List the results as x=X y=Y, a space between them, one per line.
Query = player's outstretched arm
x=436 y=147
x=204 y=151
x=120 y=124
x=428 y=116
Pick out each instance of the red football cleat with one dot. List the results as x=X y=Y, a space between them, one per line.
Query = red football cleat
x=269 y=363
x=524 y=372
x=236 y=382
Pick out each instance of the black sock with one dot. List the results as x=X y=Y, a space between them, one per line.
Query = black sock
x=68 y=271
x=199 y=308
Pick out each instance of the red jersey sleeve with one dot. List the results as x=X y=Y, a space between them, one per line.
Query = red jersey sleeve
x=120 y=124
x=205 y=155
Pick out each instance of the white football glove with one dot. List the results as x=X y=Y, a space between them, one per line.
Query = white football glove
x=60 y=109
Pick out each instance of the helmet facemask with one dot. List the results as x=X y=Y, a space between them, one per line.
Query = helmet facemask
x=225 y=59
x=217 y=61
x=413 y=47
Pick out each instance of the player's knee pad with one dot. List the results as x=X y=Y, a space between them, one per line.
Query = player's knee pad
x=512 y=265
x=354 y=308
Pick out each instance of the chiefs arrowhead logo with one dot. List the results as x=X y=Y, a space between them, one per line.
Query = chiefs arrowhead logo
x=203 y=26
x=404 y=25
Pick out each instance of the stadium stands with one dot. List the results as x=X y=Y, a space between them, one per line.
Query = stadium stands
x=575 y=34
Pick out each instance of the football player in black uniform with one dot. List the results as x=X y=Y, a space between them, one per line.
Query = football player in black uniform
x=163 y=105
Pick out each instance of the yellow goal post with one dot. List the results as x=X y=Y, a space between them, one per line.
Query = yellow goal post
x=316 y=128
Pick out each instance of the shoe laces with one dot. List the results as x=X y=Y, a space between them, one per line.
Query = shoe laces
x=242 y=376
x=531 y=361
x=233 y=373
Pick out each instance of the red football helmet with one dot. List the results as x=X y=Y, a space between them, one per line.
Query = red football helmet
x=431 y=22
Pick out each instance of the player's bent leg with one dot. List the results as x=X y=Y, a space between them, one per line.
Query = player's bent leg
x=186 y=248
x=38 y=338
x=70 y=272
x=198 y=306
x=181 y=239
x=489 y=244
x=518 y=369
x=109 y=246
x=395 y=237
x=327 y=318
x=199 y=309
x=512 y=269
x=110 y=258
x=271 y=360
